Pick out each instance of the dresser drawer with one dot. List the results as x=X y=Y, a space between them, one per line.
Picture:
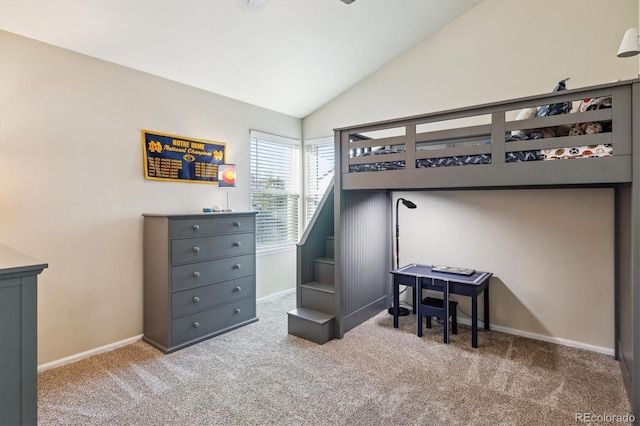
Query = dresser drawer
x=212 y=271
x=194 y=249
x=193 y=227
x=189 y=301
x=212 y=320
x=236 y=224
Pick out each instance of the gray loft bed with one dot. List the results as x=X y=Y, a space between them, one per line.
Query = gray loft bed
x=411 y=158
x=474 y=148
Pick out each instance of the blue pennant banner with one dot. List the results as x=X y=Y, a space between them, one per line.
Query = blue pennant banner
x=180 y=159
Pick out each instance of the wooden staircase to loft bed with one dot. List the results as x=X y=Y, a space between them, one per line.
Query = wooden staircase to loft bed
x=313 y=318
x=333 y=297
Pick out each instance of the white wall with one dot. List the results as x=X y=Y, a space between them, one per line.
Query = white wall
x=551 y=250
x=72 y=187
x=276 y=272
x=500 y=49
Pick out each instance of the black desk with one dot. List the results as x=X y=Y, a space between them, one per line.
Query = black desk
x=423 y=277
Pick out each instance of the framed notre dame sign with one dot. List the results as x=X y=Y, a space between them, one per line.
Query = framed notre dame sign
x=181 y=159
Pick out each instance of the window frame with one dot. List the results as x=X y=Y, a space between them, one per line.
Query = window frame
x=314 y=196
x=292 y=193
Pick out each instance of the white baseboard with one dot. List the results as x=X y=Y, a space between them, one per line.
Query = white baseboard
x=125 y=342
x=87 y=354
x=281 y=293
x=465 y=321
x=557 y=340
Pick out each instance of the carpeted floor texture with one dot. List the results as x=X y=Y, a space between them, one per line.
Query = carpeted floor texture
x=375 y=375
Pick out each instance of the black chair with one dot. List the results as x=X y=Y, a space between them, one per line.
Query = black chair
x=432 y=307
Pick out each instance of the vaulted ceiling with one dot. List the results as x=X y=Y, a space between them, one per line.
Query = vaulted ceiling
x=290 y=56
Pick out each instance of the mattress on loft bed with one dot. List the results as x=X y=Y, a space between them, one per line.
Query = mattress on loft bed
x=585 y=151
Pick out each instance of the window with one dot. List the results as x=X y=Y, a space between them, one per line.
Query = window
x=275 y=188
x=319 y=162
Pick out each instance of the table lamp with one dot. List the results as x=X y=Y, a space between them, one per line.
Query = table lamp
x=227 y=179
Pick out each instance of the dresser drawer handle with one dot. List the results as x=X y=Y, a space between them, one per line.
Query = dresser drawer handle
x=196 y=249
x=238 y=288
x=237 y=310
x=237 y=224
x=196 y=324
x=236 y=266
x=196 y=299
x=196 y=274
x=196 y=227
x=237 y=244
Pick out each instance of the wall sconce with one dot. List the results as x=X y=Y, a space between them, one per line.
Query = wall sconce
x=630 y=45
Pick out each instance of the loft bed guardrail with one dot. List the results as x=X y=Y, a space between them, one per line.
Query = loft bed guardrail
x=502 y=144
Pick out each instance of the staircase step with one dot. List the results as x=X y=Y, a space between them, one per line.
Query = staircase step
x=311 y=315
x=317 y=296
x=311 y=325
x=318 y=286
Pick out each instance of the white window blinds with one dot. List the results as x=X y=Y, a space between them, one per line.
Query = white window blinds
x=319 y=165
x=275 y=188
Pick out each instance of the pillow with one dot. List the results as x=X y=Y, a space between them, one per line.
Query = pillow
x=524 y=114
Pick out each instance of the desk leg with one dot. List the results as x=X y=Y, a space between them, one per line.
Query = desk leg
x=474 y=321
x=396 y=303
x=445 y=305
x=487 y=325
x=413 y=297
x=417 y=302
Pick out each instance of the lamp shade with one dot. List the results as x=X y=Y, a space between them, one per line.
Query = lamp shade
x=630 y=45
x=226 y=175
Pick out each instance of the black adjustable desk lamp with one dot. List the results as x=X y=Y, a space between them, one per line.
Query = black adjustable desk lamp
x=401 y=311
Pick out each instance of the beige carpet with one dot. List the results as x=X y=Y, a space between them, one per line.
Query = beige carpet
x=375 y=375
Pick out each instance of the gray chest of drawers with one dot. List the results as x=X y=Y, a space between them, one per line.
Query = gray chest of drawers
x=199 y=277
x=18 y=337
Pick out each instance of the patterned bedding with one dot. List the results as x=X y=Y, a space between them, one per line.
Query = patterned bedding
x=578 y=152
x=586 y=151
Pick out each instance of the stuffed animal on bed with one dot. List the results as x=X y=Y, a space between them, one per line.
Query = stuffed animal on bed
x=546 y=133
x=592 y=128
x=576 y=131
x=586 y=129
x=563 y=130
